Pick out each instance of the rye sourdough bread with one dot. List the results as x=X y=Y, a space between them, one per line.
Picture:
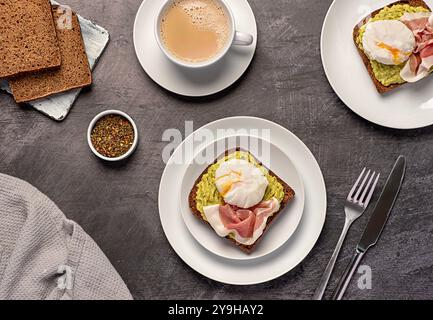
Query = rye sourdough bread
x=289 y=194
x=74 y=71
x=379 y=86
x=28 y=39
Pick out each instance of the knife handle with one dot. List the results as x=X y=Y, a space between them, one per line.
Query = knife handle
x=347 y=275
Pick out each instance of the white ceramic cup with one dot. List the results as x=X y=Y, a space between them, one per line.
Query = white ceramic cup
x=235 y=38
x=92 y=125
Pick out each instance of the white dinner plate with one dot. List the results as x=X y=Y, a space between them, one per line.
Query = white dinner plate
x=408 y=107
x=193 y=83
x=258 y=270
x=272 y=158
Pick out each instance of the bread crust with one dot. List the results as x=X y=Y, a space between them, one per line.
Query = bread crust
x=289 y=194
x=379 y=86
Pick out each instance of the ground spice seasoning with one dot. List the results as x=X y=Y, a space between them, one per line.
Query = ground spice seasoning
x=112 y=136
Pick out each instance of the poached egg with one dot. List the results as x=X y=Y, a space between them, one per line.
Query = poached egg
x=389 y=42
x=240 y=183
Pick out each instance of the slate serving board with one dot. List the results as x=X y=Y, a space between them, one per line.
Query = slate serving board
x=58 y=106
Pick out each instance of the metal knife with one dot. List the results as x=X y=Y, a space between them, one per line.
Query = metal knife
x=376 y=224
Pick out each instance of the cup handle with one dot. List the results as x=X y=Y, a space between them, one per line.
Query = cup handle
x=243 y=39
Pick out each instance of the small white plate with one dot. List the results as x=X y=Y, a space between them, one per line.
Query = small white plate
x=408 y=107
x=284 y=225
x=193 y=83
x=239 y=272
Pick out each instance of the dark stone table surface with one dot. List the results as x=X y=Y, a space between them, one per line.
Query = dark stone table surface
x=117 y=205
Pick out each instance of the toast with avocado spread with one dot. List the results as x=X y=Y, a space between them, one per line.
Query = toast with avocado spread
x=386 y=77
x=205 y=194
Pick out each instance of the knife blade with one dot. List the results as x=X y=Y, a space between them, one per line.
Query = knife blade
x=384 y=205
x=375 y=225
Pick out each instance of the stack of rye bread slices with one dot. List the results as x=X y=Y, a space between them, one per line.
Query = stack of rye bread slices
x=41 y=49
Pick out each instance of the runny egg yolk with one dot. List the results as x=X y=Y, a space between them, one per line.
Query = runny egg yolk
x=396 y=53
x=229 y=184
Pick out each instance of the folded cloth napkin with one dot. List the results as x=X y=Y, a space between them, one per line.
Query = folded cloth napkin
x=43 y=255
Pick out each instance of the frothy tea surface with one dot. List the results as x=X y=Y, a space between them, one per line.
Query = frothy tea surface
x=195 y=30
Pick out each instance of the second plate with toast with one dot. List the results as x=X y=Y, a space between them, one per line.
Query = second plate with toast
x=378 y=61
x=222 y=197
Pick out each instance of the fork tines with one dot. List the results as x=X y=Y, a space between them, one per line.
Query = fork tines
x=355 y=195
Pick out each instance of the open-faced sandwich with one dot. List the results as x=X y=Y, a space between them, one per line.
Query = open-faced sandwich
x=396 y=43
x=239 y=198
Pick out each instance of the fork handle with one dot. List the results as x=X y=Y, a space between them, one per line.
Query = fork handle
x=347 y=275
x=318 y=295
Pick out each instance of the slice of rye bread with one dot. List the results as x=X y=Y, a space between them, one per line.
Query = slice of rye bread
x=379 y=86
x=28 y=39
x=74 y=71
x=289 y=194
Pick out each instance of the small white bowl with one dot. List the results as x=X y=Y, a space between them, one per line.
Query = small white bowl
x=92 y=124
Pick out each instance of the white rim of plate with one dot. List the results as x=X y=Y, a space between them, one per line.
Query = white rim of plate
x=188 y=260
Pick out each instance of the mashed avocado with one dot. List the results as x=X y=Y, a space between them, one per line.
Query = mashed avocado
x=386 y=74
x=207 y=193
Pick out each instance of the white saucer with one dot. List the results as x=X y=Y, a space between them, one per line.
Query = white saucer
x=408 y=107
x=193 y=83
x=272 y=158
x=258 y=270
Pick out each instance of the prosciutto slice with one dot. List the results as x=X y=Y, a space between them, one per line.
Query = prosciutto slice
x=416 y=21
x=246 y=221
x=421 y=60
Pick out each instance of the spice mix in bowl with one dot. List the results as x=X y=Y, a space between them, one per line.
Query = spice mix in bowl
x=112 y=135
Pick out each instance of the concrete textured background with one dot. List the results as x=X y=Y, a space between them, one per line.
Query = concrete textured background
x=117 y=204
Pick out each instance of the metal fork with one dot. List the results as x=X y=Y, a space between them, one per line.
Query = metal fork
x=357 y=201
